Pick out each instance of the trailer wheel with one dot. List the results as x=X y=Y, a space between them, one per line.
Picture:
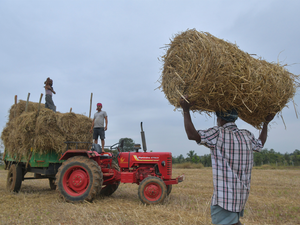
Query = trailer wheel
x=109 y=189
x=52 y=183
x=79 y=178
x=152 y=190
x=14 y=178
x=169 y=189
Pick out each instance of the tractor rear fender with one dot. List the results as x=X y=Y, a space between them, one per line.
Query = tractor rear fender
x=70 y=153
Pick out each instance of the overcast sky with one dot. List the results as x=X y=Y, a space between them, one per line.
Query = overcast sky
x=111 y=49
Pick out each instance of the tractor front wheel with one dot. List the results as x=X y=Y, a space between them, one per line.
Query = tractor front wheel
x=169 y=189
x=14 y=178
x=79 y=178
x=152 y=190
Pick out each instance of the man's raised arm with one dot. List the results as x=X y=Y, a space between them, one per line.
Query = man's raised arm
x=264 y=132
x=190 y=130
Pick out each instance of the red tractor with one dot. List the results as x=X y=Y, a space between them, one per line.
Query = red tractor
x=84 y=174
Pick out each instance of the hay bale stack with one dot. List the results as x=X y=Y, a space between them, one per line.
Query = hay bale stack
x=217 y=76
x=18 y=109
x=75 y=127
x=45 y=132
x=48 y=135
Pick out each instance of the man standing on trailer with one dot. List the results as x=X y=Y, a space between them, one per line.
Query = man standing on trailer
x=232 y=160
x=98 y=128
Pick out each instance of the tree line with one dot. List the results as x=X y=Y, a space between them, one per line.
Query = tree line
x=265 y=156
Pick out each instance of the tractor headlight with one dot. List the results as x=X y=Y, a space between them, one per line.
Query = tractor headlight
x=163 y=163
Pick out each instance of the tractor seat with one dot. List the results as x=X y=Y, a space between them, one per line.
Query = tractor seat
x=97 y=148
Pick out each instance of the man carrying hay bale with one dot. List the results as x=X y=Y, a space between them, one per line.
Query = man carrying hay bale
x=98 y=125
x=232 y=161
x=49 y=90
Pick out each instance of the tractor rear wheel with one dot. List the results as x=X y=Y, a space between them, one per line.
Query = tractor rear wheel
x=14 y=178
x=109 y=189
x=152 y=190
x=79 y=178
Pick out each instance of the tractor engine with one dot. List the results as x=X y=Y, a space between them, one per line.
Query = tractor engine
x=136 y=166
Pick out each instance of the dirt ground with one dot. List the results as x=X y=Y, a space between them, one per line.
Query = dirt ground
x=274 y=199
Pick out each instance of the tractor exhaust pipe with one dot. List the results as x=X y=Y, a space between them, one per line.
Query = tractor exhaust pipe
x=143 y=138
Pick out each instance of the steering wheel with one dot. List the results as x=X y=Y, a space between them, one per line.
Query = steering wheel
x=113 y=147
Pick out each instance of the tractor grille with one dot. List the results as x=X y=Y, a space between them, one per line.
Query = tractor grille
x=169 y=166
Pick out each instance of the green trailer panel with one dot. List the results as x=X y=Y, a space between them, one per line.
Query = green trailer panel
x=36 y=159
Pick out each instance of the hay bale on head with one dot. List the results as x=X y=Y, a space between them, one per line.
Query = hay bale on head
x=218 y=76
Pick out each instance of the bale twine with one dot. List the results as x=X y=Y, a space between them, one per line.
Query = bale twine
x=43 y=133
x=217 y=76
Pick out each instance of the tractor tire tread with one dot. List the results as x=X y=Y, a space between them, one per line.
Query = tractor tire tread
x=144 y=184
x=95 y=170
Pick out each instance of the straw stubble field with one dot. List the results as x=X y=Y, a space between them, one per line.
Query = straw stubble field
x=274 y=199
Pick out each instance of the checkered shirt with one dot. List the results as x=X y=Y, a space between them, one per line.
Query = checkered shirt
x=232 y=161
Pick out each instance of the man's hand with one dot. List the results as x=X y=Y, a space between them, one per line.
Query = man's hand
x=184 y=103
x=264 y=132
x=91 y=130
x=269 y=118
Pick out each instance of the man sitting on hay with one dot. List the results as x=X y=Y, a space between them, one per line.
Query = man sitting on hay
x=232 y=161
